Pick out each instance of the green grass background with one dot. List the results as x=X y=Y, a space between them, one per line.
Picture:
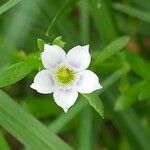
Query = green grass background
x=118 y=32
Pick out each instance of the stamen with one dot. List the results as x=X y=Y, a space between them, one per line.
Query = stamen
x=64 y=76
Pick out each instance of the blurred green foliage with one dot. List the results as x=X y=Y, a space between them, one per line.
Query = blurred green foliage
x=119 y=36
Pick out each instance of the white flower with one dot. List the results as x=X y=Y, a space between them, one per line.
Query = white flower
x=65 y=74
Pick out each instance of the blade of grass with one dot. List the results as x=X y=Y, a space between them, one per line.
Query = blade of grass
x=48 y=12
x=26 y=128
x=84 y=21
x=112 y=49
x=133 y=12
x=85 y=136
x=67 y=5
x=104 y=20
x=8 y=5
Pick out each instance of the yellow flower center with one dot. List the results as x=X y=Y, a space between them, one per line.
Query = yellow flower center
x=64 y=76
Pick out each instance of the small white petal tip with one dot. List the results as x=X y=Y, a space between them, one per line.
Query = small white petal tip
x=86 y=46
x=99 y=86
x=65 y=110
x=33 y=86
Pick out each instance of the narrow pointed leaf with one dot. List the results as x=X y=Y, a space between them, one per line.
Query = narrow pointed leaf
x=14 y=73
x=95 y=102
x=114 y=47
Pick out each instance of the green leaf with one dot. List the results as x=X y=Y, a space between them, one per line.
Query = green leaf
x=114 y=47
x=130 y=97
x=133 y=12
x=138 y=65
x=8 y=5
x=14 y=73
x=40 y=44
x=67 y=5
x=95 y=102
x=26 y=128
x=58 y=41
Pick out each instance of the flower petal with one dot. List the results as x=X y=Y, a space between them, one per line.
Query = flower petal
x=79 y=57
x=52 y=56
x=65 y=98
x=43 y=82
x=88 y=82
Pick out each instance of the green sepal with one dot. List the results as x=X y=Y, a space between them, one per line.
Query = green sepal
x=40 y=44
x=58 y=41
